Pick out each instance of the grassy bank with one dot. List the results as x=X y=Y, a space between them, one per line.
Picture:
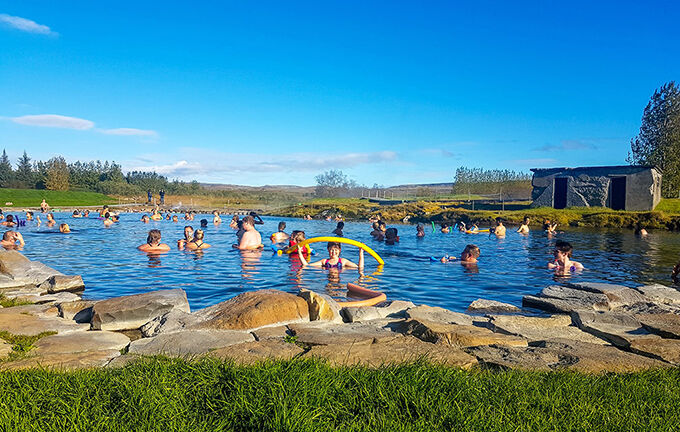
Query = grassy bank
x=173 y=395
x=21 y=198
x=667 y=215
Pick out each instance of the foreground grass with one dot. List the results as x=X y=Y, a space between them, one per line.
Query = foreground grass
x=32 y=197
x=174 y=395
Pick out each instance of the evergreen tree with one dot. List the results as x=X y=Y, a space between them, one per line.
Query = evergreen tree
x=24 y=173
x=6 y=173
x=57 y=174
x=658 y=142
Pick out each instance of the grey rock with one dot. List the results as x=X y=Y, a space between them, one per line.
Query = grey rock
x=76 y=342
x=661 y=294
x=541 y=328
x=666 y=325
x=458 y=335
x=617 y=295
x=47 y=310
x=169 y=322
x=319 y=333
x=131 y=312
x=491 y=306
x=21 y=270
x=619 y=329
x=394 y=309
x=438 y=315
x=19 y=323
x=60 y=297
x=80 y=311
x=59 y=283
x=187 y=343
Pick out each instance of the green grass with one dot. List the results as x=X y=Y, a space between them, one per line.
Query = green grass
x=10 y=302
x=32 y=197
x=209 y=395
x=669 y=205
x=21 y=344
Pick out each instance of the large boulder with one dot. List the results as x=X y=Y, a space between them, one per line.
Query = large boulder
x=79 y=311
x=188 y=342
x=666 y=325
x=23 y=271
x=133 y=311
x=22 y=323
x=661 y=294
x=254 y=309
x=253 y=352
x=169 y=322
x=617 y=328
x=76 y=342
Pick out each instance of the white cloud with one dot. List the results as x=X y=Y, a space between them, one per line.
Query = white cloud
x=26 y=25
x=130 y=132
x=55 y=121
x=177 y=169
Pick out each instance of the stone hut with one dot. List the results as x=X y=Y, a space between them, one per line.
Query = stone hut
x=631 y=187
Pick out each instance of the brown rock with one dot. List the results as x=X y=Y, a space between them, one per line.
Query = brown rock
x=59 y=283
x=656 y=347
x=394 y=351
x=133 y=311
x=491 y=306
x=276 y=332
x=437 y=314
x=188 y=342
x=661 y=294
x=79 y=311
x=5 y=349
x=332 y=334
x=68 y=361
x=47 y=310
x=392 y=309
x=30 y=325
x=79 y=342
x=617 y=328
x=253 y=352
x=321 y=306
x=254 y=309
x=541 y=328
x=458 y=335
x=666 y=325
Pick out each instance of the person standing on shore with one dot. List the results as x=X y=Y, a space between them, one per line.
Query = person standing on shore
x=161 y=193
x=149 y=196
x=44 y=207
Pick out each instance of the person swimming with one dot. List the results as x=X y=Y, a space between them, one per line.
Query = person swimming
x=251 y=238
x=155 y=215
x=76 y=214
x=524 y=227
x=86 y=213
x=549 y=228
x=197 y=242
x=153 y=243
x=12 y=240
x=204 y=223
x=391 y=236
x=640 y=231
x=461 y=226
x=420 y=230
x=562 y=262
x=188 y=236
x=9 y=221
x=298 y=237
x=50 y=220
x=280 y=236
x=216 y=217
x=468 y=256
x=108 y=220
x=64 y=228
x=334 y=260
x=444 y=228
x=175 y=218
x=234 y=224
x=188 y=216
x=145 y=218
x=499 y=229
x=338 y=229
x=29 y=215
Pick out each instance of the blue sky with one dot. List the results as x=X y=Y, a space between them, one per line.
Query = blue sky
x=277 y=92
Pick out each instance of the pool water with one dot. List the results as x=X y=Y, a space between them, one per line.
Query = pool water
x=508 y=268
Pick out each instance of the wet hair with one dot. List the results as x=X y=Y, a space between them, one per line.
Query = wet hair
x=332 y=245
x=107 y=215
x=76 y=212
x=499 y=220
x=564 y=247
x=381 y=224
x=198 y=235
x=154 y=236
x=249 y=220
x=189 y=227
x=28 y=213
x=116 y=217
x=64 y=228
x=204 y=222
x=282 y=226
x=215 y=212
x=341 y=225
x=419 y=227
x=9 y=218
x=472 y=250
x=7 y=235
x=105 y=207
x=391 y=234
x=526 y=219
x=444 y=225
x=235 y=217
x=298 y=236
x=376 y=225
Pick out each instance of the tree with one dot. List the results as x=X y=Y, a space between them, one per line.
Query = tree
x=658 y=142
x=24 y=173
x=57 y=174
x=331 y=184
x=6 y=173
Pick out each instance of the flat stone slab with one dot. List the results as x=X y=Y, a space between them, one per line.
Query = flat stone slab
x=253 y=352
x=254 y=309
x=19 y=268
x=39 y=310
x=76 y=342
x=186 y=343
x=50 y=298
x=69 y=361
x=619 y=329
x=169 y=322
x=656 y=347
x=274 y=332
x=24 y=324
x=438 y=315
x=666 y=325
x=541 y=328
x=458 y=335
x=661 y=294
x=59 y=283
x=79 y=311
x=393 y=309
x=394 y=351
x=133 y=311
x=491 y=306
x=333 y=334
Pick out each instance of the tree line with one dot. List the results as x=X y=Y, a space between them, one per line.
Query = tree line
x=506 y=183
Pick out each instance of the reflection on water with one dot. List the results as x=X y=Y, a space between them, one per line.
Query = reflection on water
x=508 y=268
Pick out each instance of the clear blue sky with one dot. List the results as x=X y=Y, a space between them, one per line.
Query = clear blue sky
x=276 y=92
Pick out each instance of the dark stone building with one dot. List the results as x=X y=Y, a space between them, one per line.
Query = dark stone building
x=635 y=188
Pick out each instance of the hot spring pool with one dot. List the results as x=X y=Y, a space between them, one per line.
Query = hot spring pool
x=508 y=268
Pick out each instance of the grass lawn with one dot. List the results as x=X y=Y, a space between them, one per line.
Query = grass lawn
x=210 y=395
x=22 y=198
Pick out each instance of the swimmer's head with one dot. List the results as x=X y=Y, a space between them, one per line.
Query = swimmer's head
x=341 y=225
x=64 y=228
x=215 y=213
x=198 y=235
x=204 y=223
x=188 y=231
x=376 y=225
x=235 y=218
x=145 y=218
x=420 y=228
x=175 y=218
x=8 y=236
x=248 y=220
x=564 y=248
x=391 y=234
x=334 y=246
x=76 y=212
x=470 y=251
x=9 y=218
x=382 y=226
x=499 y=221
x=526 y=220
x=282 y=226
x=298 y=236
x=153 y=237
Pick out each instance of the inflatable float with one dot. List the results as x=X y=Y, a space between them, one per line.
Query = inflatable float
x=477 y=232
x=372 y=297
x=303 y=243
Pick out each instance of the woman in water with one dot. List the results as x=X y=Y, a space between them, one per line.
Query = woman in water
x=338 y=229
x=234 y=222
x=9 y=221
x=444 y=228
x=334 y=261
x=524 y=227
x=420 y=231
x=188 y=236
x=153 y=243
x=391 y=236
x=50 y=220
x=216 y=217
x=197 y=243
x=279 y=236
x=563 y=263
x=64 y=228
x=468 y=256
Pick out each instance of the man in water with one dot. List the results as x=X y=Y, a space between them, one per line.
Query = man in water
x=524 y=228
x=251 y=238
x=499 y=230
x=12 y=240
x=280 y=236
x=64 y=228
x=153 y=243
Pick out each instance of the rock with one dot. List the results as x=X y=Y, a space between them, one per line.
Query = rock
x=60 y=297
x=458 y=335
x=11 y=260
x=80 y=341
x=666 y=325
x=394 y=351
x=21 y=291
x=321 y=306
x=169 y=322
x=541 y=328
x=583 y=299
x=661 y=294
x=656 y=347
x=24 y=324
x=24 y=271
x=133 y=311
x=394 y=309
x=125 y=360
x=80 y=311
x=253 y=352
x=66 y=361
x=59 y=283
x=186 y=343
x=47 y=310
x=619 y=329
x=491 y=306
x=5 y=349
x=329 y=334
x=526 y=358
x=617 y=295
x=275 y=332
x=437 y=314
x=254 y=309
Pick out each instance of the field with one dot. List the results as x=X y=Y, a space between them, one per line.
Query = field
x=22 y=198
x=210 y=395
